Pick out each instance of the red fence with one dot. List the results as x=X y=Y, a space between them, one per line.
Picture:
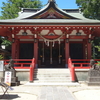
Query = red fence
x=24 y=64
x=79 y=64
x=82 y=63
x=20 y=63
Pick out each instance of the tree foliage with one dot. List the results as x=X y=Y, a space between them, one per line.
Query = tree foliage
x=96 y=48
x=90 y=8
x=4 y=41
x=10 y=10
x=12 y=7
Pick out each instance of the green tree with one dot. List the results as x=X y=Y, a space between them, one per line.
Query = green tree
x=12 y=7
x=90 y=8
x=96 y=48
x=4 y=41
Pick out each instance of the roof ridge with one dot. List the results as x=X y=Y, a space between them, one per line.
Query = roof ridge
x=51 y=1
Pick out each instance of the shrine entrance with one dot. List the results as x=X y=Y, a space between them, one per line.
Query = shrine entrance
x=51 y=56
x=26 y=50
x=76 y=50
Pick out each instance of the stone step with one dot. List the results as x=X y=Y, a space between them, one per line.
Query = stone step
x=49 y=75
x=51 y=81
x=52 y=75
x=53 y=78
x=53 y=84
x=52 y=70
x=93 y=83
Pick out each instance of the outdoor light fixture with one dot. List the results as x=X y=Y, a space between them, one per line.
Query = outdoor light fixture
x=24 y=33
x=78 y=33
x=3 y=46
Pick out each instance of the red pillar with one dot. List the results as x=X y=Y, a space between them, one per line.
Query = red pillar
x=66 y=51
x=17 y=50
x=36 y=51
x=14 y=45
x=89 y=50
x=84 y=49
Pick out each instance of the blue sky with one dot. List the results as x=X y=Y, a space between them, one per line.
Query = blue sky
x=63 y=4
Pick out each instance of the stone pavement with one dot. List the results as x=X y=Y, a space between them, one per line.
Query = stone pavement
x=53 y=92
x=39 y=92
x=84 y=92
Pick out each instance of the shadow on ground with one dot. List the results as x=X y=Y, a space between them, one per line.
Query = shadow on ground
x=9 y=97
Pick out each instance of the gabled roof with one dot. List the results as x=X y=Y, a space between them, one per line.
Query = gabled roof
x=51 y=11
x=50 y=14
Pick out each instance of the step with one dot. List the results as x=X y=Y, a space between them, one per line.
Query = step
x=51 y=81
x=52 y=69
x=52 y=75
x=53 y=84
x=52 y=78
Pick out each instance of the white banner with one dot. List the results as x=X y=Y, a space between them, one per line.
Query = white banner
x=7 y=78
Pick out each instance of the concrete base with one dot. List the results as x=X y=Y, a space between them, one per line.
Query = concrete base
x=81 y=74
x=93 y=77
x=22 y=74
x=93 y=83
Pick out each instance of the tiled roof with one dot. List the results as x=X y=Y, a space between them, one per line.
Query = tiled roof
x=28 y=12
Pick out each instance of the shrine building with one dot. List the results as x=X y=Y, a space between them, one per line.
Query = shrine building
x=51 y=35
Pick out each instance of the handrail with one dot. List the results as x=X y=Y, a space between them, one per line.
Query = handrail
x=72 y=70
x=32 y=68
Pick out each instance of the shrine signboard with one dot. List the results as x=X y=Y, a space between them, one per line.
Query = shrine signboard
x=8 y=78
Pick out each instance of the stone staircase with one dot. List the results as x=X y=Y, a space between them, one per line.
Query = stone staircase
x=52 y=75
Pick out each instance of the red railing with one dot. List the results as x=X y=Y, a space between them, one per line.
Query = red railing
x=24 y=64
x=32 y=68
x=79 y=64
x=20 y=63
x=72 y=70
x=83 y=63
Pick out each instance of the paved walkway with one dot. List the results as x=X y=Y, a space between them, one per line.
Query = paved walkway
x=39 y=92
x=84 y=92
x=53 y=92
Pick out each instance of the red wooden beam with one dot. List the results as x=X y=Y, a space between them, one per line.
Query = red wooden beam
x=25 y=37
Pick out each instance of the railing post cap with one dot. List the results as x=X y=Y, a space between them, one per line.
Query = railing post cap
x=33 y=60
